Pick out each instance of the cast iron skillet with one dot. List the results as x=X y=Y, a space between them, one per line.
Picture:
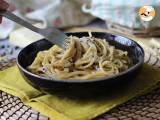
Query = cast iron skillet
x=28 y=54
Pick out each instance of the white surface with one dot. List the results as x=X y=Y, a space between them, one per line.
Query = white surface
x=23 y=37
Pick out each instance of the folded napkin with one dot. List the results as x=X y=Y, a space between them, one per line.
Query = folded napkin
x=71 y=108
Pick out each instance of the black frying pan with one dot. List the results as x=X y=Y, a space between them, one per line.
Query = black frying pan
x=28 y=54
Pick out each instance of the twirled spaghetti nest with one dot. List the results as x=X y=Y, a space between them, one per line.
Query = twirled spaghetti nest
x=83 y=59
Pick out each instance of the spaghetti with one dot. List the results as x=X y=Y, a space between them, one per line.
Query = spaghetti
x=83 y=59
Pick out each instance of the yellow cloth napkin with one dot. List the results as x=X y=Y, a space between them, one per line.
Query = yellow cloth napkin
x=65 y=108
